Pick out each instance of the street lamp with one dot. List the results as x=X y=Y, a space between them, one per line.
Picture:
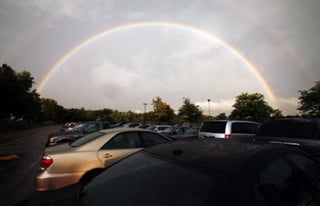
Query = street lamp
x=144 y=115
x=209 y=108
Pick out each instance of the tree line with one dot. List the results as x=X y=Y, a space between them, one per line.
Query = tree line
x=22 y=103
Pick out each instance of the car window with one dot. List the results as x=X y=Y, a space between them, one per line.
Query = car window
x=92 y=127
x=123 y=141
x=143 y=180
x=289 y=129
x=85 y=139
x=151 y=139
x=281 y=184
x=215 y=127
x=169 y=129
x=248 y=128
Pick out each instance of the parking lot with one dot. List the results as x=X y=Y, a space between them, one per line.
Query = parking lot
x=20 y=154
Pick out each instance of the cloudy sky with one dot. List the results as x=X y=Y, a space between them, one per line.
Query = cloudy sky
x=119 y=54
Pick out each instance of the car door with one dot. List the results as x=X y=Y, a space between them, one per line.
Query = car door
x=290 y=180
x=119 y=147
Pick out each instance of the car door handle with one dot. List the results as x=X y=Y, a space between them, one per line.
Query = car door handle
x=107 y=155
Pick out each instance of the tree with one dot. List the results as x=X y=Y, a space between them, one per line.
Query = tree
x=16 y=96
x=190 y=111
x=221 y=116
x=251 y=107
x=49 y=109
x=162 y=111
x=309 y=101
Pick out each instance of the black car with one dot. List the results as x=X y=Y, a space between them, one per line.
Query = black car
x=209 y=172
x=290 y=131
x=79 y=131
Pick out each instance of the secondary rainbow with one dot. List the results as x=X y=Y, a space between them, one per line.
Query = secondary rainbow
x=189 y=28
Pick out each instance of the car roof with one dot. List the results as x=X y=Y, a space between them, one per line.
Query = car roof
x=219 y=155
x=294 y=120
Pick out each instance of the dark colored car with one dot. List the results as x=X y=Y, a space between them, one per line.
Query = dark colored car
x=79 y=131
x=209 y=172
x=302 y=132
x=68 y=126
x=290 y=131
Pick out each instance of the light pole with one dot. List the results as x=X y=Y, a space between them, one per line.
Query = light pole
x=144 y=114
x=209 y=108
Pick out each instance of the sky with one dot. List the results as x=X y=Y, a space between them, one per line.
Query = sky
x=120 y=54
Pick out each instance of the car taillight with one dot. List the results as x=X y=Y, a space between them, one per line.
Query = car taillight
x=46 y=162
x=227 y=136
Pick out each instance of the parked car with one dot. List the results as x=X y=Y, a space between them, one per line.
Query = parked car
x=191 y=132
x=302 y=132
x=174 y=130
x=68 y=126
x=229 y=129
x=79 y=131
x=158 y=128
x=132 y=124
x=85 y=157
x=209 y=172
x=299 y=131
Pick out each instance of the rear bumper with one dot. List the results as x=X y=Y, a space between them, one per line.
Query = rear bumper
x=45 y=181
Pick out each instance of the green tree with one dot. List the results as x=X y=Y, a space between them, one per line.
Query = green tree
x=277 y=114
x=49 y=109
x=16 y=95
x=309 y=101
x=162 y=111
x=221 y=116
x=190 y=111
x=251 y=107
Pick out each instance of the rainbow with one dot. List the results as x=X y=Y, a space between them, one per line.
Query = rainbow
x=129 y=26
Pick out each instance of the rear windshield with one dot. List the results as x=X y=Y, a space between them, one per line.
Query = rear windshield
x=85 y=139
x=214 y=127
x=306 y=130
x=248 y=128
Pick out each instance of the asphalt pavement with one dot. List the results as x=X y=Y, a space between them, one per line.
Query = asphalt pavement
x=20 y=155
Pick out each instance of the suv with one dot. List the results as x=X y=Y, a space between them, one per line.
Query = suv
x=235 y=129
x=297 y=131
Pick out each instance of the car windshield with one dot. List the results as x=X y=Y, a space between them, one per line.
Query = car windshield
x=85 y=139
x=144 y=179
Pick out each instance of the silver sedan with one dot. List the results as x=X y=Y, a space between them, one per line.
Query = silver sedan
x=83 y=159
